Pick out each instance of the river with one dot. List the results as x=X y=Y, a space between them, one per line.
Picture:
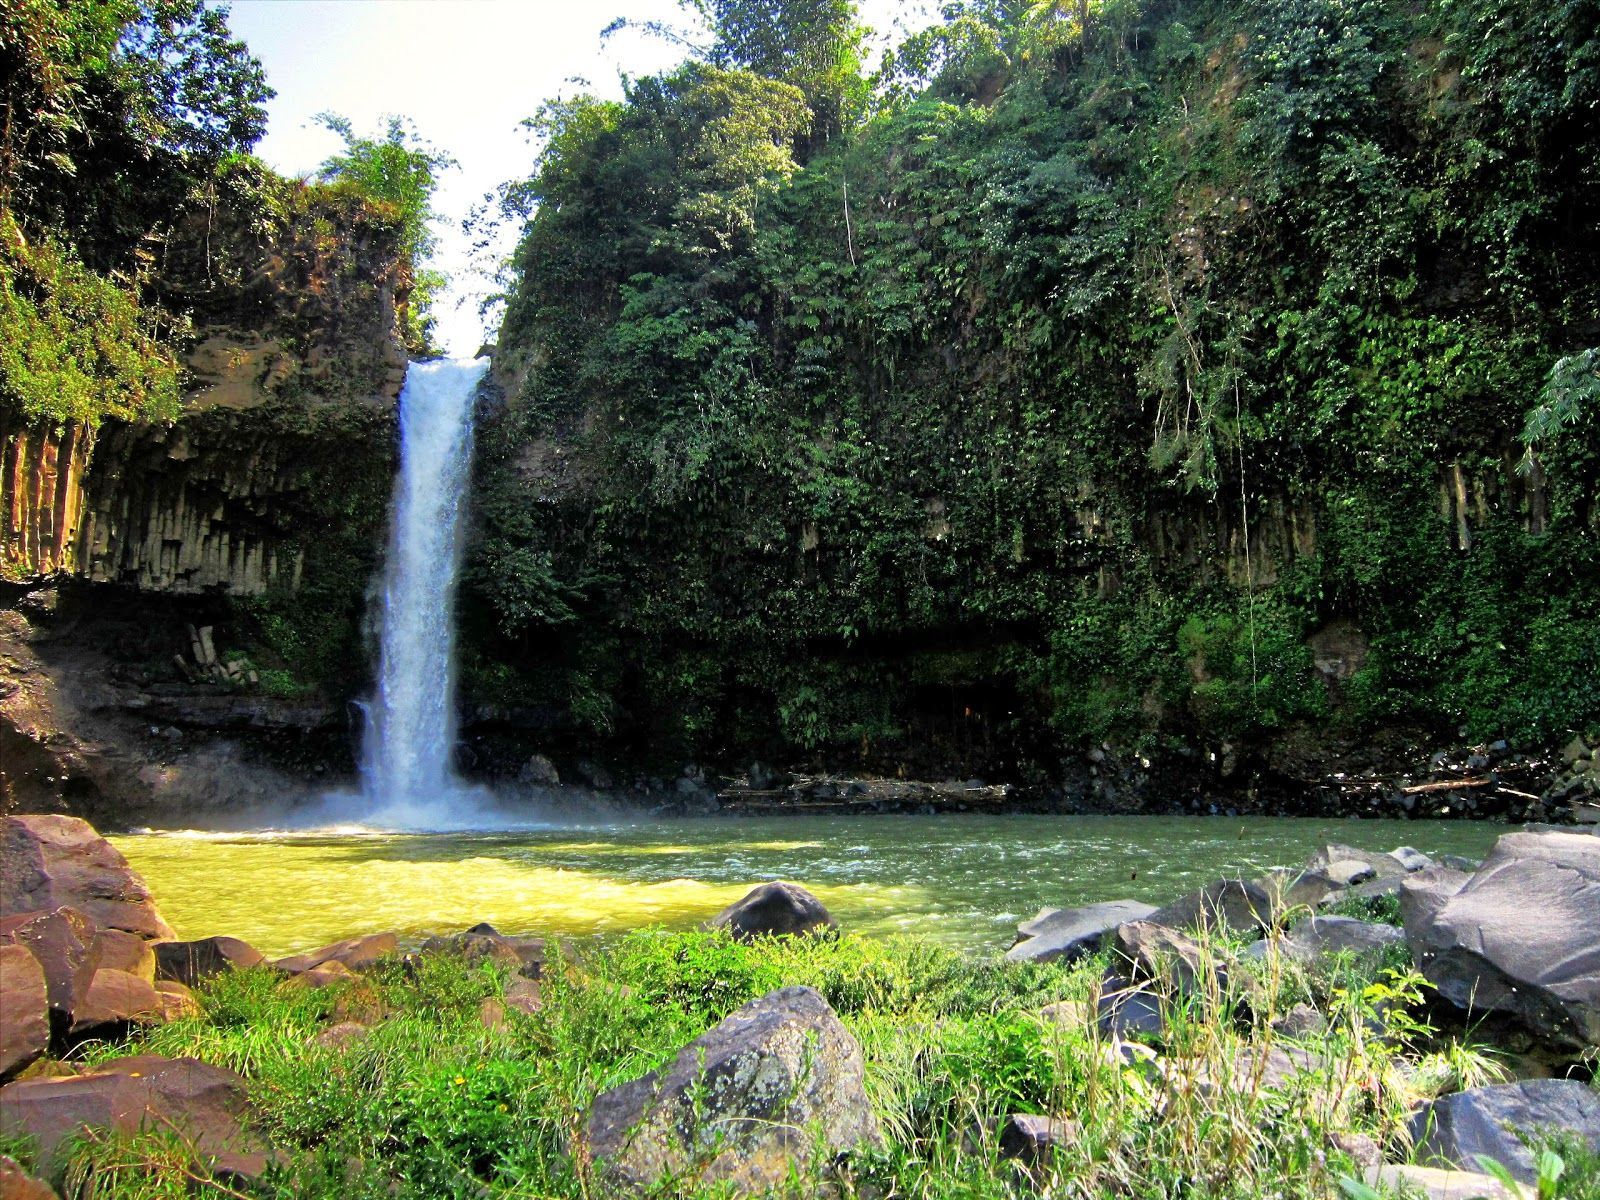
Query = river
x=964 y=880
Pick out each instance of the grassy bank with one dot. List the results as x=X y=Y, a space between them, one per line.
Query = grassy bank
x=435 y=1100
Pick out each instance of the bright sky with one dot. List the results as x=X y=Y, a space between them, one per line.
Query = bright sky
x=466 y=72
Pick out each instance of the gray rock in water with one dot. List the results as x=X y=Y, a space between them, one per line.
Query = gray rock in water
x=774 y=910
x=1320 y=935
x=1519 y=936
x=1456 y=1129
x=758 y=1095
x=1068 y=934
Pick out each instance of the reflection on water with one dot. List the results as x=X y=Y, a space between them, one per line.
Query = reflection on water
x=963 y=879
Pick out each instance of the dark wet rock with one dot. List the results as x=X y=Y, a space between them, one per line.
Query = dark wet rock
x=774 y=910
x=1068 y=934
x=202 y=1104
x=1237 y=904
x=49 y=862
x=1456 y=1129
x=62 y=941
x=357 y=954
x=1518 y=937
x=17 y=1184
x=760 y=1094
x=1322 y=935
x=1163 y=956
x=190 y=962
x=115 y=1001
x=24 y=1010
x=1034 y=1139
x=539 y=771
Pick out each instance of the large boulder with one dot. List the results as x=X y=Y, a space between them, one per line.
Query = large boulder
x=118 y=950
x=48 y=862
x=1456 y=1129
x=1517 y=937
x=774 y=910
x=190 y=962
x=1434 y=1183
x=764 y=1092
x=484 y=943
x=63 y=942
x=1163 y=956
x=202 y=1104
x=24 y=1010
x=115 y=1001
x=1068 y=934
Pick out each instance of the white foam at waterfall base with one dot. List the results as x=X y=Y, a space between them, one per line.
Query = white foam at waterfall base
x=408 y=781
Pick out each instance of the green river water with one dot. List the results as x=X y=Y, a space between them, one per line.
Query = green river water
x=965 y=880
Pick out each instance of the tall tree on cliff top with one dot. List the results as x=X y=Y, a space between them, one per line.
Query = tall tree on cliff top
x=400 y=168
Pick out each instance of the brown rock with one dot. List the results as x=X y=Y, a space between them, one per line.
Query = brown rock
x=523 y=995
x=190 y=962
x=17 y=1184
x=357 y=953
x=177 y=1001
x=62 y=942
x=475 y=947
x=116 y=999
x=1238 y=905
x=119 y=950
x=318 y=977
x=24 y=1010
x=48 y=862
x=202 y=1104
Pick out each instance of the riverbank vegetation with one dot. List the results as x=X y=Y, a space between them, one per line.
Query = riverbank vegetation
x=1147 y=372
x=450 y=1092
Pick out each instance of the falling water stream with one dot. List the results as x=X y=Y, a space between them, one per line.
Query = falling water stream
x=408 y=780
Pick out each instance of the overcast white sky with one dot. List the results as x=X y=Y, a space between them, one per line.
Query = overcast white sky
x=467 y=72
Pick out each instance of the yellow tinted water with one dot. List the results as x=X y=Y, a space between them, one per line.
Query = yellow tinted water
x=966 y=880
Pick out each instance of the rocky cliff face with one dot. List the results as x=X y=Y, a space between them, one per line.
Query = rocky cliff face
x=257 y=514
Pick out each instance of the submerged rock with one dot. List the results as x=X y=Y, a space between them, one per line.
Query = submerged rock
x=1068 y=934
x=202 y=1104
x=1519 y=936
x=1456 y=1129
x=48 y=862
x=774 y=910
x=24 y=1010
x=759 y=1095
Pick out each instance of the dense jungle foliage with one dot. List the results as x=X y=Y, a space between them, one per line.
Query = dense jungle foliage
x=851 y=415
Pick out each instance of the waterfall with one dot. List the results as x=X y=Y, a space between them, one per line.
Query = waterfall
x=407 y=775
